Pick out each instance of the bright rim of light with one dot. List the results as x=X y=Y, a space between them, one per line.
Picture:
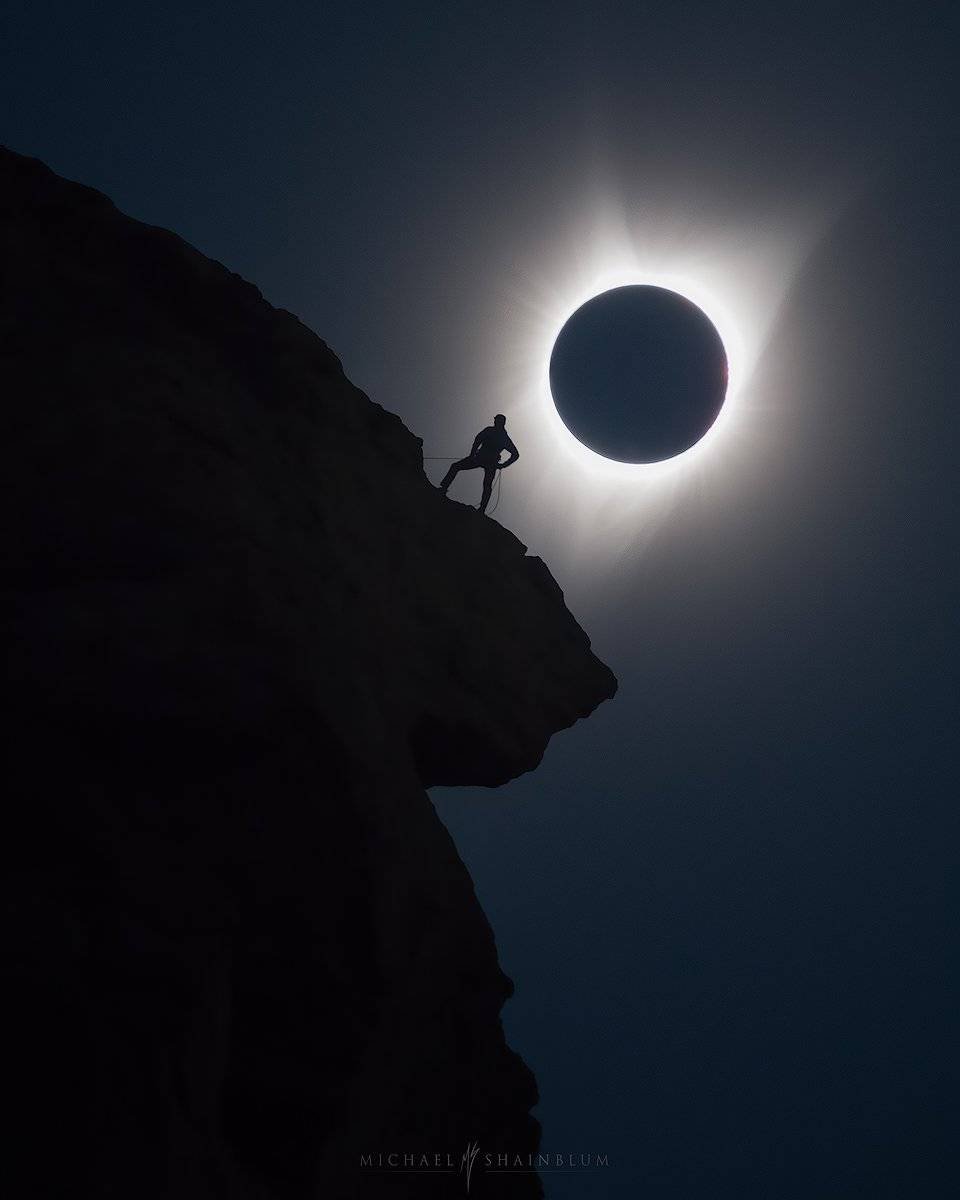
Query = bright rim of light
x=587 y=507
x=738 y=276
x=724 y=323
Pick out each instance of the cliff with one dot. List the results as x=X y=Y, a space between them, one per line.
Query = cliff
x=244 y=634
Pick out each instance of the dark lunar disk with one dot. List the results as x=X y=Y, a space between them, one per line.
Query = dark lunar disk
x=638 y=374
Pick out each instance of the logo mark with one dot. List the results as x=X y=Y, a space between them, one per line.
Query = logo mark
x=466 y=1162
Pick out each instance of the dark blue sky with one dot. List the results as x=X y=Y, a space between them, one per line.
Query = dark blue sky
x=728 y=899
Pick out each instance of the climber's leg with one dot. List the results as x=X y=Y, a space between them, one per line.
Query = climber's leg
x=463 y=464
x=488 y=477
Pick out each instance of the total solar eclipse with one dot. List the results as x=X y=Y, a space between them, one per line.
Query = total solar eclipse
x=638 y=374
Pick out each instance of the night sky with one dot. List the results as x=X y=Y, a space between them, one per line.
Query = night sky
x=728 y=898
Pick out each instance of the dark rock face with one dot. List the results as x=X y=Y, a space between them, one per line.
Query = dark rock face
x=244 y=634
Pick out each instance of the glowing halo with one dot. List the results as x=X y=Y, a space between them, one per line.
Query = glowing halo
x=571 y=500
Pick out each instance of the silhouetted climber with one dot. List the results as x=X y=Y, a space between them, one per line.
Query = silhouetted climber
x=485 y=453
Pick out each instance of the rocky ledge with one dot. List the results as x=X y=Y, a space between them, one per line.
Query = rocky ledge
x=244 y=634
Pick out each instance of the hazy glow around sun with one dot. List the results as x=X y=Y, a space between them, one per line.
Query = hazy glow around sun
x=738 y=277
x=739 y=287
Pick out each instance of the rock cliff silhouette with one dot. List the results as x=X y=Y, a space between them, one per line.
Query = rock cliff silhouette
x=244 y=635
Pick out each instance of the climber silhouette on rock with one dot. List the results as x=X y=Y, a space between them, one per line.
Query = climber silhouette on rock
x=485 y=453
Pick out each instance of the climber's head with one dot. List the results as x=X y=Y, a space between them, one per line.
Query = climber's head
x=499 y=420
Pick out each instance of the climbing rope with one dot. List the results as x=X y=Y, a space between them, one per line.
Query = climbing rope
x=499 y=486
x=453 y=458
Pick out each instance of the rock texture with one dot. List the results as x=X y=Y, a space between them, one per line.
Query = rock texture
x=244 y=634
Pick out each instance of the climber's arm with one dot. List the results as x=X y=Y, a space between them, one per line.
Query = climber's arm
x=514 y=454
